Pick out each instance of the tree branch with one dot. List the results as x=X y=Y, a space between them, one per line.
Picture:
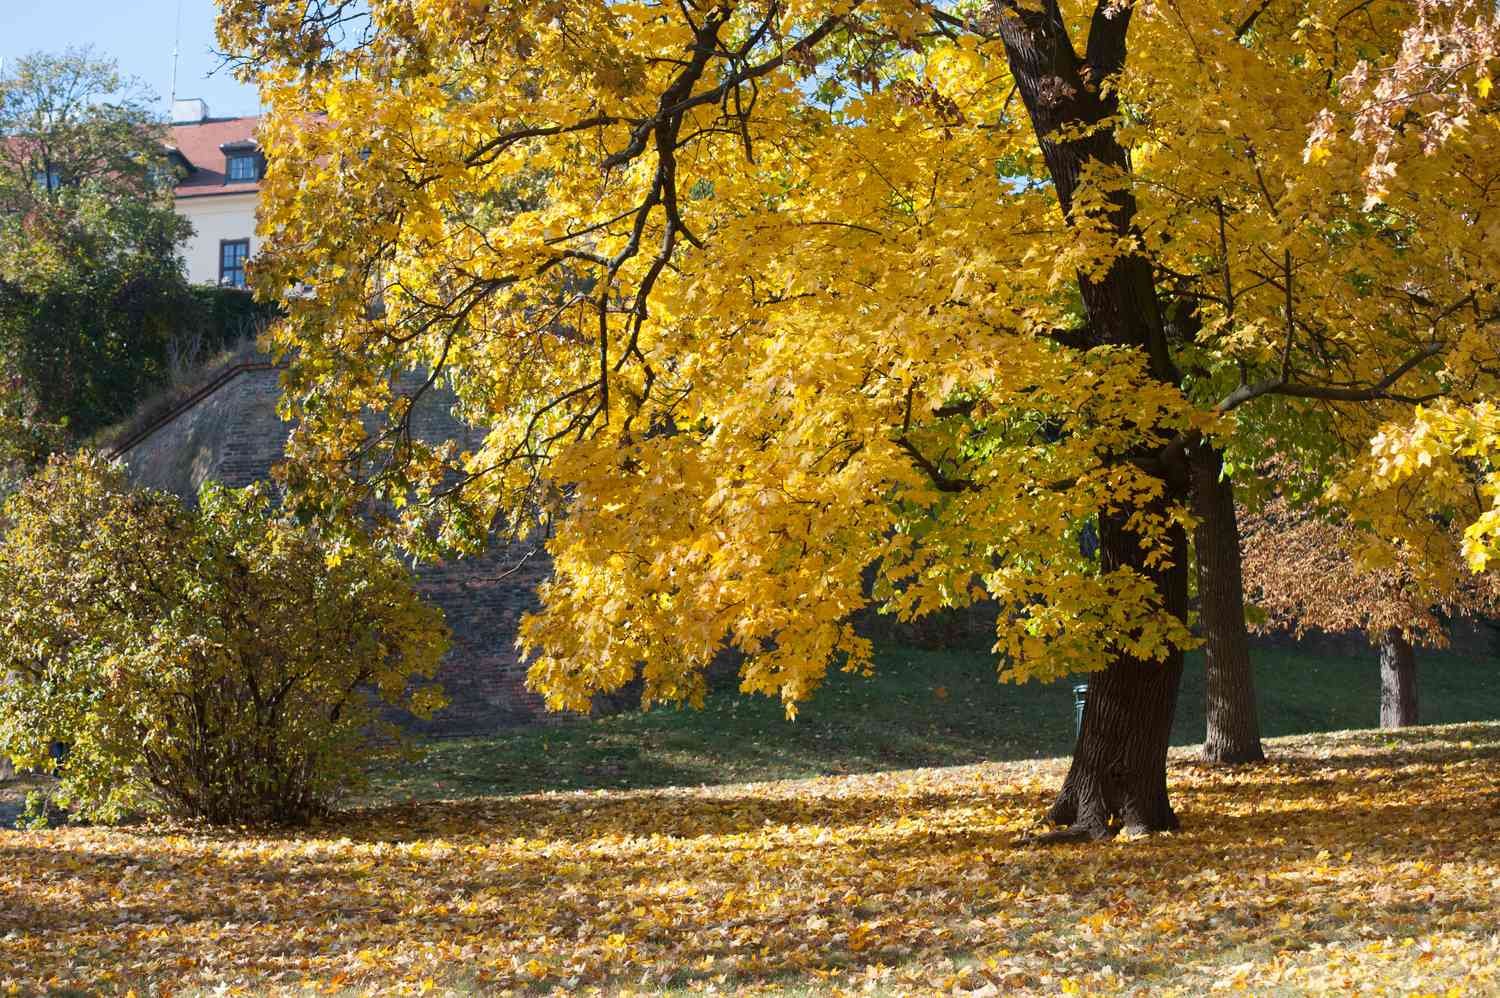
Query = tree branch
x=1249 y=22
x=1379 y=390
x=942 y=482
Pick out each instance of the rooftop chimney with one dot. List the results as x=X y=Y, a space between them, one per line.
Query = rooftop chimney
x=189 y=111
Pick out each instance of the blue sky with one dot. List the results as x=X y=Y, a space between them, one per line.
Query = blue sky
x=137 y=34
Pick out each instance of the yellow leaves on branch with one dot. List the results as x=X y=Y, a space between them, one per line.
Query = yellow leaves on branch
x=899 y=883
x=1442 y=444
x=757 y=305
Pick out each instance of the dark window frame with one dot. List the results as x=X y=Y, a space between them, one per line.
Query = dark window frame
x=226 y=272
x=248 y=157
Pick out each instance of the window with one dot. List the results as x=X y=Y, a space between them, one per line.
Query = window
x=232 y=256
x=242 y=169
x=49 y=180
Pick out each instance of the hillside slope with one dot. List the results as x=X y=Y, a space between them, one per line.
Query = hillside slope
x=921 y=708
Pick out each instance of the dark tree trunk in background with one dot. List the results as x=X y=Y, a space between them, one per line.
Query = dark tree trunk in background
x=1119 y=774
x=1233 y=734
x=1398 y=680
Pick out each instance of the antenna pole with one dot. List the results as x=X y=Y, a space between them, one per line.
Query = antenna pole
x=176 y=38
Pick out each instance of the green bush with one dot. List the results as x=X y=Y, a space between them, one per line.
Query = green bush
x=217 y=662
x=25 y=437
x=226 y=315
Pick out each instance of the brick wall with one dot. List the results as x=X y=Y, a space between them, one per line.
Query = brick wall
x=234 y=436
x=483 y=599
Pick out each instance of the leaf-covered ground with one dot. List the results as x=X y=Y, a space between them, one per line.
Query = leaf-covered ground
x=1354 y=861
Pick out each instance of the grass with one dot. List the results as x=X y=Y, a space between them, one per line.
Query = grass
x=922 y=708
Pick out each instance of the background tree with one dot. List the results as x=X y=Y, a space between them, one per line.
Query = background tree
x=767 y=295
x=1320 y=399
x=1396 y=110
x=91 y=282
x=1232 y=734
x=1308 y=572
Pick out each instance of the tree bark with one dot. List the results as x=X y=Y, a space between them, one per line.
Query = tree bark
x=1118 y=777
x=1233 y=734
x=1398 y=680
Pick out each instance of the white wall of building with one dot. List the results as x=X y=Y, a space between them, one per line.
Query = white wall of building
x=216 y=217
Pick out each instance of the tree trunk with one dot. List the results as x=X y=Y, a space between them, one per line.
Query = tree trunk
x=1233 y=734
x=1398 y=680
x=1119 y=774
x=1118 y=780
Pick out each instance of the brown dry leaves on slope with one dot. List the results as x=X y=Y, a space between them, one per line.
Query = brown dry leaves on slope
x=1361 y=861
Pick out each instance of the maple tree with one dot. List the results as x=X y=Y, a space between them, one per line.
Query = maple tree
x=771 y=295
x=1232 y=728
x=1424 y=94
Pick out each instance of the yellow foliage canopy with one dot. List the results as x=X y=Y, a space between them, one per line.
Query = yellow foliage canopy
x=774 y=297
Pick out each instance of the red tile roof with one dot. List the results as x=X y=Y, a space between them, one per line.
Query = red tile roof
x=199 y=142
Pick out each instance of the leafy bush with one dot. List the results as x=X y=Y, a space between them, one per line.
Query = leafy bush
x=218 y=663
x=26 y=438
x=224 y=316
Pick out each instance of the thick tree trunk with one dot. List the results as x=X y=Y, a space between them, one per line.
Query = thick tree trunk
x=1233 y=734
x=1119 y=774
x=1118 y=780
x=1398 y=680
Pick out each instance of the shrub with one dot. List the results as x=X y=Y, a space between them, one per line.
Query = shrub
x=224 y=316
x=25 y=437
x=216 y=662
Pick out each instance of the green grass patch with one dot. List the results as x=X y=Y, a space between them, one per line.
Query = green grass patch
x=921 y=708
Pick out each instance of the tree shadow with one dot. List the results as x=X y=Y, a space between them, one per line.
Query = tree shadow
x=675 y=813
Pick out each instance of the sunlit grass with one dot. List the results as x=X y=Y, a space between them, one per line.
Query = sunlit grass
x=922 y=708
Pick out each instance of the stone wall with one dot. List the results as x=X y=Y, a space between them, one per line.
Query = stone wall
x=234 y=436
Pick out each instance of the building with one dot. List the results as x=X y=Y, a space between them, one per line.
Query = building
x=221 y=165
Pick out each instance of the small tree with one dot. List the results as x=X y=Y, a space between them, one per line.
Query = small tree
x=217 y=663
x=1306 y=572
